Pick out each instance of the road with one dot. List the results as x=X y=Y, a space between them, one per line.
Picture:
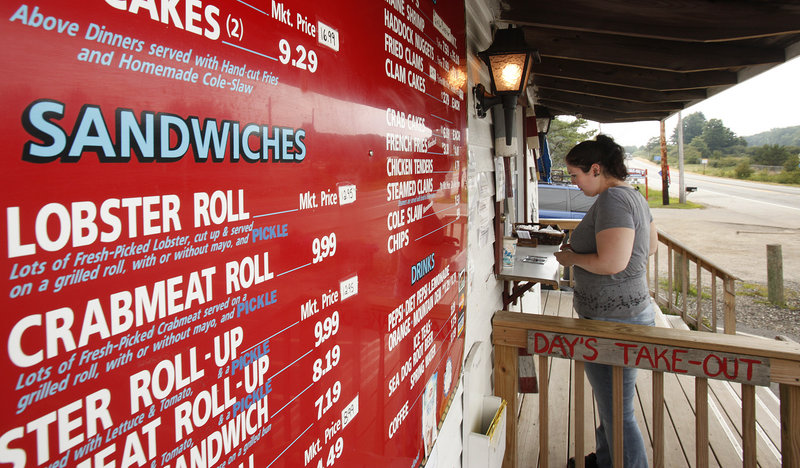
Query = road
x=739 y=220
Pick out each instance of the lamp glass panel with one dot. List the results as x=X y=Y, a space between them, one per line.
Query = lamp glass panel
x=507 y=71
x=542 y=124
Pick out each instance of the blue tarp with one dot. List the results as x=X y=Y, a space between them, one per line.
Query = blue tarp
x=544 y=160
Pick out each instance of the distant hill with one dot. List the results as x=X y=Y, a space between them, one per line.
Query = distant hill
x=788 y=136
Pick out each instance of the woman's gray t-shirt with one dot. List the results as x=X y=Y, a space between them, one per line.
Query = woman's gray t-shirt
x=624 y=294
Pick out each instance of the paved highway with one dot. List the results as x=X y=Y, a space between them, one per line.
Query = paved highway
x=739 y=219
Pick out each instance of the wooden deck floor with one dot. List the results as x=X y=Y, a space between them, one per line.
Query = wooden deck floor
x=724 y=413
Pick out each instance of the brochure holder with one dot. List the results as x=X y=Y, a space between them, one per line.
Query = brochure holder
x=487 y=446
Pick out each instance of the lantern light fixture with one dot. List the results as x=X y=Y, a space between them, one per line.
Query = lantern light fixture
x=509 y=60
x=543 y=119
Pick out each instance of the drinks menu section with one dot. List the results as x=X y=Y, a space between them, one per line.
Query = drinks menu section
x=233 y=232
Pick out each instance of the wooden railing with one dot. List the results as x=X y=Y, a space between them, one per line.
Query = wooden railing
x=674 y=294
x=760 y=362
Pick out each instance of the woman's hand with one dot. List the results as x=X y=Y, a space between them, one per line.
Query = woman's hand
x=565 y=256
x=614 y=247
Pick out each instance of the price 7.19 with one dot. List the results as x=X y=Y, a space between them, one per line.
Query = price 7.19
x=328 y=398
x=324 y=247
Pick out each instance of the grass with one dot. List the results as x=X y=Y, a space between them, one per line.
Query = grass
x=655 y=201
x=760 y=294
x=753 y=290
x=691 y=291
x=790 y=178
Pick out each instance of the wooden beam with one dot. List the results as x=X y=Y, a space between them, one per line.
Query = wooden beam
x=749 y=426
x=790 y=419
x=579 y=386
x=617 y=452
x=631 y=76
x=544 y=412
x=701 y=421
x=691 y=20
x=505 y=386
x=601 y=115
x=612 y=104
x=658 y=420
x=617 y=92
x=654 y=54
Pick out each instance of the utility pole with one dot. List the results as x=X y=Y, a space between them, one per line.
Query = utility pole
x=681 y=182
x=664 y=167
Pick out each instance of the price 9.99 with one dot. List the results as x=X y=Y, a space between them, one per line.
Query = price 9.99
x=327 y=328
x=324 y=247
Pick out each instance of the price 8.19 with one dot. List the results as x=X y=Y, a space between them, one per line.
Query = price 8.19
x=326 y=364
x=324 y=247
x=304 y=60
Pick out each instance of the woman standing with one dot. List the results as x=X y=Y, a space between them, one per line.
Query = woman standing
x=609 y=249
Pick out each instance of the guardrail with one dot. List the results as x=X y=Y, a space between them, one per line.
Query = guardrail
x=674 y=294
x=759 y=362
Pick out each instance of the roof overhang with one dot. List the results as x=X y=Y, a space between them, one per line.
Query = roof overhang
x=628 y=60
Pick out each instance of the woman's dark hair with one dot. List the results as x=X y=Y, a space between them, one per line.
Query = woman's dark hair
x=603 y=151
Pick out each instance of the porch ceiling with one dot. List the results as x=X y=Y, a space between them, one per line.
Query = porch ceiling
x=633 y=60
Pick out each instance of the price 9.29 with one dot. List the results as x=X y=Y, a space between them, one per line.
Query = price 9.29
x=304 y=60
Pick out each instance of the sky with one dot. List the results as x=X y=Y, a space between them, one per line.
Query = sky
x=766 y=101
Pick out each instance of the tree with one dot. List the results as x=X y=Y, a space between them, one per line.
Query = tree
x=653 y=147
x=719 y=137
x=743 y=170
x=563 y=135
x=701 y=147
x=788 y=136
x=792 y=163
x=692 y=127
x=770 y=155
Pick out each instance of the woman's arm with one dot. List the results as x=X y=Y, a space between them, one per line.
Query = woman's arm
x=614 y=248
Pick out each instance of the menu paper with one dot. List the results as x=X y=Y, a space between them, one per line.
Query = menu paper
x=234 y=232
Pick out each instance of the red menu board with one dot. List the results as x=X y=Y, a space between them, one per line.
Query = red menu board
x=234 y=231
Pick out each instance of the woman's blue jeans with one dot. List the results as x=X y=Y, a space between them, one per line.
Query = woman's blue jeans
x=599 y=376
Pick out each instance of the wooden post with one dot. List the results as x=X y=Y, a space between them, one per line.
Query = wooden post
x=790 y=421
x=681 y=184
x=677 y=262
x=655 y=276
x=775 y=274
x=729 y=306
x=618 y=449
x=505 y=386
x=670 y=278
x=499 y=221
x=714 y=301
x=680 y=281
x=544 y=411
x=749 y=426
x=699 y=311
x=658 y=420
x=701 y=421
x=664 y=167
x=579 y=384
